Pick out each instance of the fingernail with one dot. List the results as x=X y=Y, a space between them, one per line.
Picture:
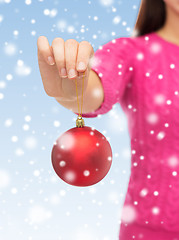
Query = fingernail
x=50 y=60
x=72 y=73
x=81 y=66
x=63 y=72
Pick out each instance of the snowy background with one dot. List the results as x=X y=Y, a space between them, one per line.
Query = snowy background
x=34 y=203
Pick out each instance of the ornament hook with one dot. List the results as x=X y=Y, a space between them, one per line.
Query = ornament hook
x=80 y=121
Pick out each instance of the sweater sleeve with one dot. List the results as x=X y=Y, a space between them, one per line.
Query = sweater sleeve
x=112 y=64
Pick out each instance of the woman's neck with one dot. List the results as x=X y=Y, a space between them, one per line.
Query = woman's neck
x=170 y=30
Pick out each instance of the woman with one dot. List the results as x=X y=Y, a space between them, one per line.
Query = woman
x=142 y=74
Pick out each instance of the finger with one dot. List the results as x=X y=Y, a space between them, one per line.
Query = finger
x=85 y=51
x=59 y=55
x=44 y=50
x=49 y=74
x=71 y=48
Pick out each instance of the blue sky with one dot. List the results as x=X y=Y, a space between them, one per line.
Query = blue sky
x=34 y=202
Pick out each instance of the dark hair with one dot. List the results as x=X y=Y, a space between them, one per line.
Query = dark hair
x=151 y=17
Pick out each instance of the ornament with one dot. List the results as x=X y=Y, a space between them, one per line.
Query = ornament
x=81 y=156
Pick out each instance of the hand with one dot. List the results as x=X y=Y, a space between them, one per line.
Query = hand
x=60 y=56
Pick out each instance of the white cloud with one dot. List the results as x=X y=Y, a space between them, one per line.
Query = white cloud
x=106 y=3
x=10 y=49
x=30 y=142
x=61 y=25
x=21 y=69
x=38 y=214
x=4 y=179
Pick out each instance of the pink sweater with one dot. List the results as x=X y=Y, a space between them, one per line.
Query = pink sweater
x=142 y=74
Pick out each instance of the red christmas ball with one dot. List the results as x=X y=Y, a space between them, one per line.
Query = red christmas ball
x=81 y=156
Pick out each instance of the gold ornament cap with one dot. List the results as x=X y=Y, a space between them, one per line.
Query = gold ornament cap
x=80 y=122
